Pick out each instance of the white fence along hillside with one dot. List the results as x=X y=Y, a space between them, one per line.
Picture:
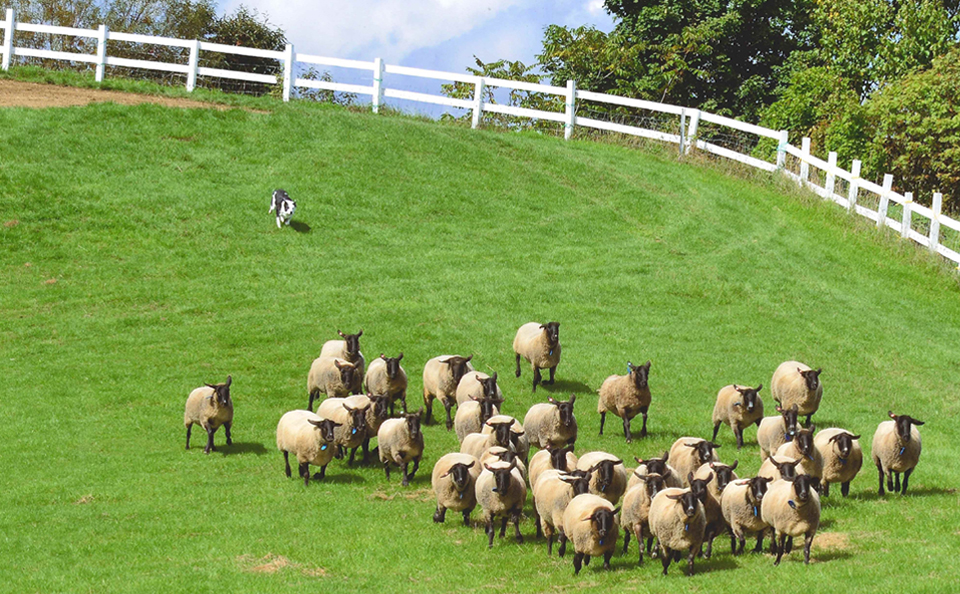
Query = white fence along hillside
x=863 y=197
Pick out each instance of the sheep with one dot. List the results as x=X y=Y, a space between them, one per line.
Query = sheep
x=842 y=458
x=472 y=415
x=677 y=521
x=802 y=448
x=539 y=344
x=376 y=415
x=551 y=458
x=626 y=396
x=454 y=481
x=795 y=383
x=501 y=492
x=385 y=376
x=351 y=413
x=656 y=466
x=776 y=431
x=738 y=407
x=476 y=384
x=740 y=504
x=518 y=435
x=552 y=492
x=896 y=449
x=501 y=454
x=310 y=438
x=501 y=435
x=331 y=376
x=635 y=517
x=792 y=508
x=687 y=454
x=551 y=423
x=714 y=490
x=211 y=406
x=775 y=468
x=609 y=475
x=590 y=522
x=347 y=349
x=441 y=375
x=400 y=442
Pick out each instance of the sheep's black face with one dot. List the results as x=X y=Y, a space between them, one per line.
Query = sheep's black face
x=789 y=421
x=812 y=378
x=358 y=418
x=758 y=487
x=749 y=397
x=903 y=423
x=326 y=428
x=552 y=331
x=604 y=470
x=603 y=520
x=688 y=501
x=486 y=409
x=656 y=465
x=802 y=485
x=393 y=365
x=565 y=409
x=489 y=386
x=352 y=343
x=844 y=442
x=221 y=392
x=502 y=433
x=502 y=478
x=558 y=457
x=640 y=375
x=654 y=483
x=346 y=373
x=381 y=405
x=724 y=473
x=458 y=367
x=805 y=442
x=704 y=450
x=505 y=455
x=413 y=424
x=699 y=487
x=460 y=473
x=580 y=481
x=787 y=470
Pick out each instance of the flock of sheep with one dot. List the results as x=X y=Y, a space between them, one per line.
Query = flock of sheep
x=682 y=499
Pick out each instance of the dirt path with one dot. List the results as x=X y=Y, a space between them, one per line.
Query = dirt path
x=15 y=93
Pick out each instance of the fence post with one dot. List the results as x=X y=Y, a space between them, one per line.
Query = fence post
x=477 y=103
x=101 y=52
x=193 y=65
x=831 y=175
x=691 y=141
x=937 y=208
x=683 y=124
x=804 y=164
x=782 y=149
x=907 y=220
x=884 y=199
x=377 y=84
x=854 y=192
x=288 y=64
x=8 y=38
x=571 y=109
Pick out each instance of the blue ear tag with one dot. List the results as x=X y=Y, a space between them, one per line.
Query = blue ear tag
x=901 y=450
x=792 y=504
x=461 y=494
x=810 y=457
x=323 y=447
x=686 y=527
x=842 y=460
x=601 y=542
x=787 y=437
x=754 y=511
x=551 y=352
x=353 y=431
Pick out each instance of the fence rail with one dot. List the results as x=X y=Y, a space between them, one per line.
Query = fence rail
x=687 y=135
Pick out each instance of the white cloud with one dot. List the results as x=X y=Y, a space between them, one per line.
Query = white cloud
x=595 y=7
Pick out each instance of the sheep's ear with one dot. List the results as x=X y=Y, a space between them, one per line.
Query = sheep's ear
x=647 y=365
x=337 y=364
x=915 y=421
x=835 y=437
x=735 y=463
x=487 y=467
x=854 y=437
x=737 y=388
x=891 y=415
x=471 y=465
x=346 y=406
x=819 y=371
x=494 y=377
x=674 y=497
x=477 y=377
x=795 y=408
x=690 y=445
x=446 y=474
x=468 y=359
x=211 y=386
x=812 y=428
x=359 y=334
x=400 y=356
x=709 y=478
x=617 y=461
x=229 y=380
x=714 y=445
x=629 y=367
x=342 y=335
x=616 y=510
x=778 y=409
x=666 y=455
x=800 y=371
x=760 y=387
x=639 y=460
x=382 y=357
x=690 y=477
x=315 y=423
x=573 y=398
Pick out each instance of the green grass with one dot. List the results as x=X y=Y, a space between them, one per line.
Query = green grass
x=434 y=239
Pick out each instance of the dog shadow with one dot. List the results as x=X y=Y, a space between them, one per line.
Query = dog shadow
x=300 y=227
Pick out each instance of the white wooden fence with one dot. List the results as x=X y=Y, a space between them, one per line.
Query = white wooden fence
x=686 y=138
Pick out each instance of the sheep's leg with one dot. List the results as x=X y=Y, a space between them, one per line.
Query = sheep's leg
x=318 y=476
x=825 y=487
x=490 y=532
x=845 y=488
x=906 y=477
x=666 y=558
x=353 y=454
x=466 y=516
x=738 y=431
x=807 y=541
x=651 y=550
x=783 y=541
x=226 y=428
x=536 y=377
x=577 y=563
x=606 y=560
x=716 y=429
x=639 y=535
x=734 y=538
x=626 y=539
x=709 y=546
x=563 y=544
x=438 y=516
x=586 y=559
x=759 y=547
x=448 y=406
x=890 y=481
x=789 y=545
x=536 y=521
x=518 y=364
x=643 y=430
x=210 y=432
x=553 y=373
x=690 y=557
x=366 y=450
x=286 y=460
x=386 y=469
x=416 y=466
x=339 y=454
x=516 y=526
x=189 y=427
x=313 y=394
x=305 y=473
x=603 y=419
x=626 y=428
x=503 y=525
x=880 y=472
x=896 y=485
x=550 y=544
x=808 y=420
x=406 y=477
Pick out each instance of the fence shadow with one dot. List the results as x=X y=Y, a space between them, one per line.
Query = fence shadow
x=300 y=227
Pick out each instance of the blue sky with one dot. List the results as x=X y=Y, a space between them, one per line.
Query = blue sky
x=435 y=34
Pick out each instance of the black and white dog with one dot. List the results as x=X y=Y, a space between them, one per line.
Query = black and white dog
x=284 y=206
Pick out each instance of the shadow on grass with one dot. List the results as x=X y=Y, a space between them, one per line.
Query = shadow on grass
x=300 y=227
x=567 y=386
x=342 y=478
x=257 y=449
x=826 y=556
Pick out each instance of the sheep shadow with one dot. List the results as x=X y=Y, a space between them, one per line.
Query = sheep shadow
x=300 y=227
x=567 y=386
x=257 y=449
x=341 y=478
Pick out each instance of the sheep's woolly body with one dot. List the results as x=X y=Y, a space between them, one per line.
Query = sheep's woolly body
x=812 y=465
x=395 y=443
x=543 y=427
x=324 y=377
x=378 y=382
x=438 y=381
x=500 y=503
x=531 y=344
x=730 y=411
x=788 y=388
x=619 y=395
x=203 y=409
x=470 y=389
x=685 y=459
x=541 y=462
x=551 y=497
x=770 y=472
x=711 y=508
x=801 y=518
x=347 y=435
x=617 y=486
x=771 y=435
x=445 y=489
x=741 y=511
x=892 y=453
x=582 y=532
x=835 y=468
x=295 y=434
x=635 y=513
x=467 y=420
x=338 y=349
x=671 y=526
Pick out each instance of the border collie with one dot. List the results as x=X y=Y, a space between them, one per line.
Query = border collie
x=284 y=206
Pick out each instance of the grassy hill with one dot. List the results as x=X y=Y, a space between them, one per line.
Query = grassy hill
x=138 y=262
